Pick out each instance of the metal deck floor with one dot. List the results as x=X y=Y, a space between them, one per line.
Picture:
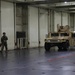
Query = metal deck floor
x=37 y=62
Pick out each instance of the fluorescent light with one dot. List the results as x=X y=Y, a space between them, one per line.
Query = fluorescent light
x=65 y=2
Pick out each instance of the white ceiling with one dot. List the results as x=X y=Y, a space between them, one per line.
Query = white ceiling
x=60 y=5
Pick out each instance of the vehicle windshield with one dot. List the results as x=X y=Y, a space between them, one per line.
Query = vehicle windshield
x=54 y=34
x=64 y=34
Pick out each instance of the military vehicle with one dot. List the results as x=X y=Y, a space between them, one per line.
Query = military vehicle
x=61 y=38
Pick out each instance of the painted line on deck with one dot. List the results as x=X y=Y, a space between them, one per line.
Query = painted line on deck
x=60 y=57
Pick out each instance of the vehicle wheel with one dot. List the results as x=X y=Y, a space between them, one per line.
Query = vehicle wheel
x=66 y=46
x=59 y=48
x=47 y=46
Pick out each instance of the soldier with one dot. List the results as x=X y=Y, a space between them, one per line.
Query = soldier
x=4 y=39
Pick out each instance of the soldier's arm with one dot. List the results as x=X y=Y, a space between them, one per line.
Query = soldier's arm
x=1 y=39
x=6 y=38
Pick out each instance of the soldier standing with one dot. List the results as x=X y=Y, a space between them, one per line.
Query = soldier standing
x=4 y=39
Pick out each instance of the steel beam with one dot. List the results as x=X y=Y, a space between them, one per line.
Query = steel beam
x=71 y=10
x=66 y=6
x=40 y=1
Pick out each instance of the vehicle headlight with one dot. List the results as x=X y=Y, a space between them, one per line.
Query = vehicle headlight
x=47 y=40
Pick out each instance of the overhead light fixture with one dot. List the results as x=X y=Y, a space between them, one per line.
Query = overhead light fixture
x=65 y=2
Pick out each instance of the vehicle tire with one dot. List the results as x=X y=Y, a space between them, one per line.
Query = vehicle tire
x=47 y=46
x=60 y=48
x=65 y=46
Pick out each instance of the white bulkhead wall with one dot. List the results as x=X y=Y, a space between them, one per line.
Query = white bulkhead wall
x=37 y=29
x=65 y=19
x=72 y=21
x=43 y=24
x=60 y=18
x=7 y=22
x=33 y=26
x=57 y=19
x=18 y=18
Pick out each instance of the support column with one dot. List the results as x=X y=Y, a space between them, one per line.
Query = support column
x=61 y=18
x=68 y=19
x=14 y=23
x=38 y=27
x=73 y=22
x=52 y=21
x=48 y=21
x=0 y=20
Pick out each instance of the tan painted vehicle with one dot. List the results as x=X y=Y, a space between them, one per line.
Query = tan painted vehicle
x=62 y=38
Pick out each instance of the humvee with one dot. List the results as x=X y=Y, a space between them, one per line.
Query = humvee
x=61 y=38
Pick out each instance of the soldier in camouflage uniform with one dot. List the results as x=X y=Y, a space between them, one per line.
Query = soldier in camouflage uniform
x=4 y=39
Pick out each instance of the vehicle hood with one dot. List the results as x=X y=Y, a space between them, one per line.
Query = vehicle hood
x=57 y=38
